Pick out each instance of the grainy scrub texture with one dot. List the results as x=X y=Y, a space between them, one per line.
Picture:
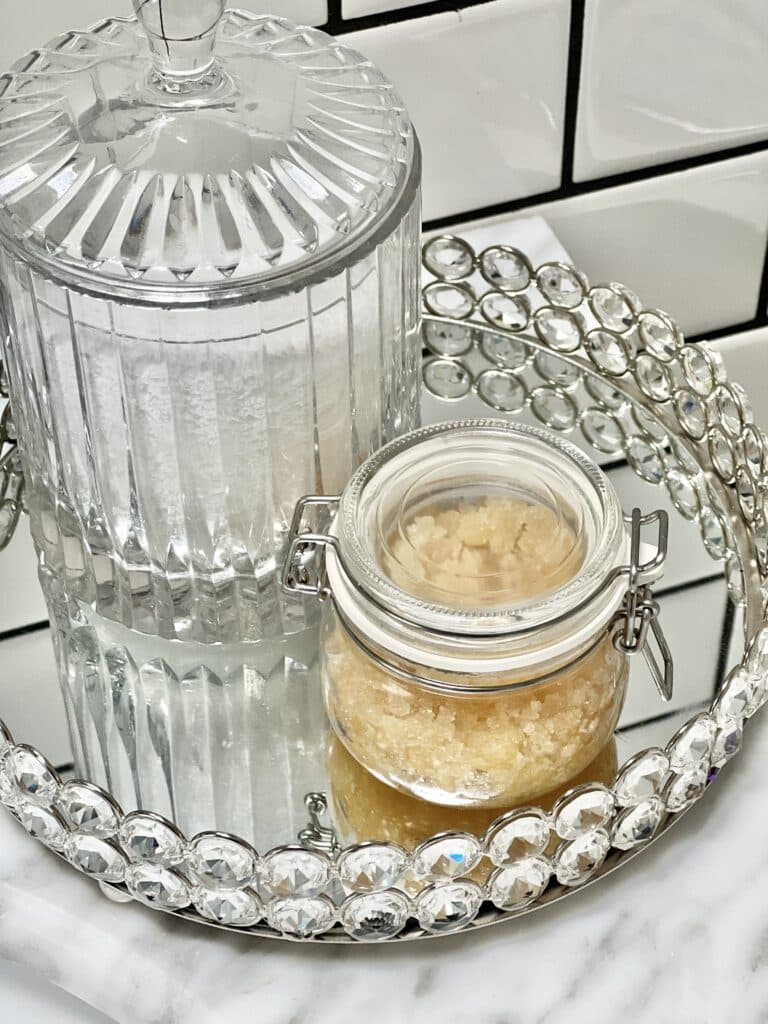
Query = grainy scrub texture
x=464 y=750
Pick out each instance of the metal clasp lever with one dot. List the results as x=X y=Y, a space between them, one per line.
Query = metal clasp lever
x=639 y=614
x=304 y=565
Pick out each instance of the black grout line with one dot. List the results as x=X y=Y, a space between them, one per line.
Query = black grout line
x=338 y=25
x=32 y=627
x=680 y=588
x=654 y=719
x=762 y=297
x=726 y=635
x=62 y=768
x=572 y=83
x=724 y=332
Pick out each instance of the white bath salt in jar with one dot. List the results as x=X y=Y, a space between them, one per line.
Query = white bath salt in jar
x=474 y=651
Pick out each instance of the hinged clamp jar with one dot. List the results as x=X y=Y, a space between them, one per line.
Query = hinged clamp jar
x=485 y=598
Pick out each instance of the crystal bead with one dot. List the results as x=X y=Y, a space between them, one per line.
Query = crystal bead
x=612 y=307
x=148 y=838
x=501 y=390
x=727 y=742
x=449 y=340
x=448 y=906
x=96 y=857
x=645 y=460
x=713 y=534
x=5 y=739
x=157 y=887
x=221 y=862
x=508 y=311
x=34 y=776
x=683 y=493
x=649 y=425
x=514 y=887
x=372 y=916
x=554 y=408
x=371 y=866
x=637 y=824
x=446 y=379
x=448 y=257
x=753 y=446
x=736 y=697
x=451 y=300
x=760 y=530
x=691 y=746
x=641 y=777
x=518 y=835
x=745 y=492
x=294 y=871
x=554 y=370
x=447 y=856
x=660 y=335
x=683 y=790
x=561 y=284
x=691 y=413
x=302 y=917
x=729 y=409
x=604 y=392
x=734 y=579
x=43 y=824
x=702 y=368
x=9 y=794
x=578 y=860
x=608 y=351
x=89 y=810
x=722 y=454
x=509 y=353
x=559 y=329
x=586 y=809
x=757 y=658
x=602 y=431
x=505 y=268
x=653 y=378
x=239 y=909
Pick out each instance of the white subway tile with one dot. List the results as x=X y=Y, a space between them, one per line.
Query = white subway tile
x=34 y=22
x=691 y=243
x=662 y=80
x=746 y=360
x=485 y=87
x=21 y=600
x=358 y=8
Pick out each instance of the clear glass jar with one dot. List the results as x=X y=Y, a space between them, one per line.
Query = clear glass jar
x=469 y=653
x=209 y=273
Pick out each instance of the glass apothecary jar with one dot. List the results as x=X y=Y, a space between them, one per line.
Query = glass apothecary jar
x=209 y=275
x=485 y=598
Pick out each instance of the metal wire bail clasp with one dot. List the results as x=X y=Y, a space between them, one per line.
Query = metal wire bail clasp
x=304 y=565
x=638 y=618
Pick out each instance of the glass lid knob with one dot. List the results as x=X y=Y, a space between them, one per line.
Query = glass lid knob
x=181 y=35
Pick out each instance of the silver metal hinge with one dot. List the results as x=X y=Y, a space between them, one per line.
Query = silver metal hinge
x=304 y=565
x=317 y=836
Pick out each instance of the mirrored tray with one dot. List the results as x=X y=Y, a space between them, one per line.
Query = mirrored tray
x=326 y=852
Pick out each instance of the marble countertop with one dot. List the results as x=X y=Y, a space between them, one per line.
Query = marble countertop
x=678 y=935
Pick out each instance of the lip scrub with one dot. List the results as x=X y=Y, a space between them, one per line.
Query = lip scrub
x=469 y=654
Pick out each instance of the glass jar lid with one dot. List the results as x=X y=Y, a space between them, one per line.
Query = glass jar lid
x=481 y=528
x=196 y=153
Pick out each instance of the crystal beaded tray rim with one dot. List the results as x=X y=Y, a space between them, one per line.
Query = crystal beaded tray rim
x=487 y=315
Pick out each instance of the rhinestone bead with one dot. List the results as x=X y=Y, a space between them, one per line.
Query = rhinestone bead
x=757 y=658
x=645 y=460
x=702 y=368
x=9 y=794
x=514 y=887
x=516 y=836
x=604 y=392
x=727 y=743
x=660 y=335
x=373 y=916
x=34 y=776
x=448 y=257
x=240 y=908
x=653 y=378
x=745 y=491
x=302 y=917
x=371 y=866
x=608 y=351
x=88 y=810
x=713 y=534
x=736 y=698
x=451 y=300
x=554 y=408
x=294 y=871
x=448 y=906
x=561 y=284
x=157 y=887
x=502 y=390
x=602 y=431
x=505 y=268
x=96 y=857
x=728 y=406
x=43 y=824
x=589 y=808
x=558 y=328
x=447 y=856
x=642 y=777
x=147 y=838
x=636 y=825
x=446 y=379
x=612 y=307
x=691 y=413
x=578 y=860
x=683 y=790
x=509 y=353
x=683 y=493
x=649 y=425
x=449 y=340
x=691 y=746
x=554 y=370
x=734 y=579
x=722 y=454
x=221 y=862
x=508 y=311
